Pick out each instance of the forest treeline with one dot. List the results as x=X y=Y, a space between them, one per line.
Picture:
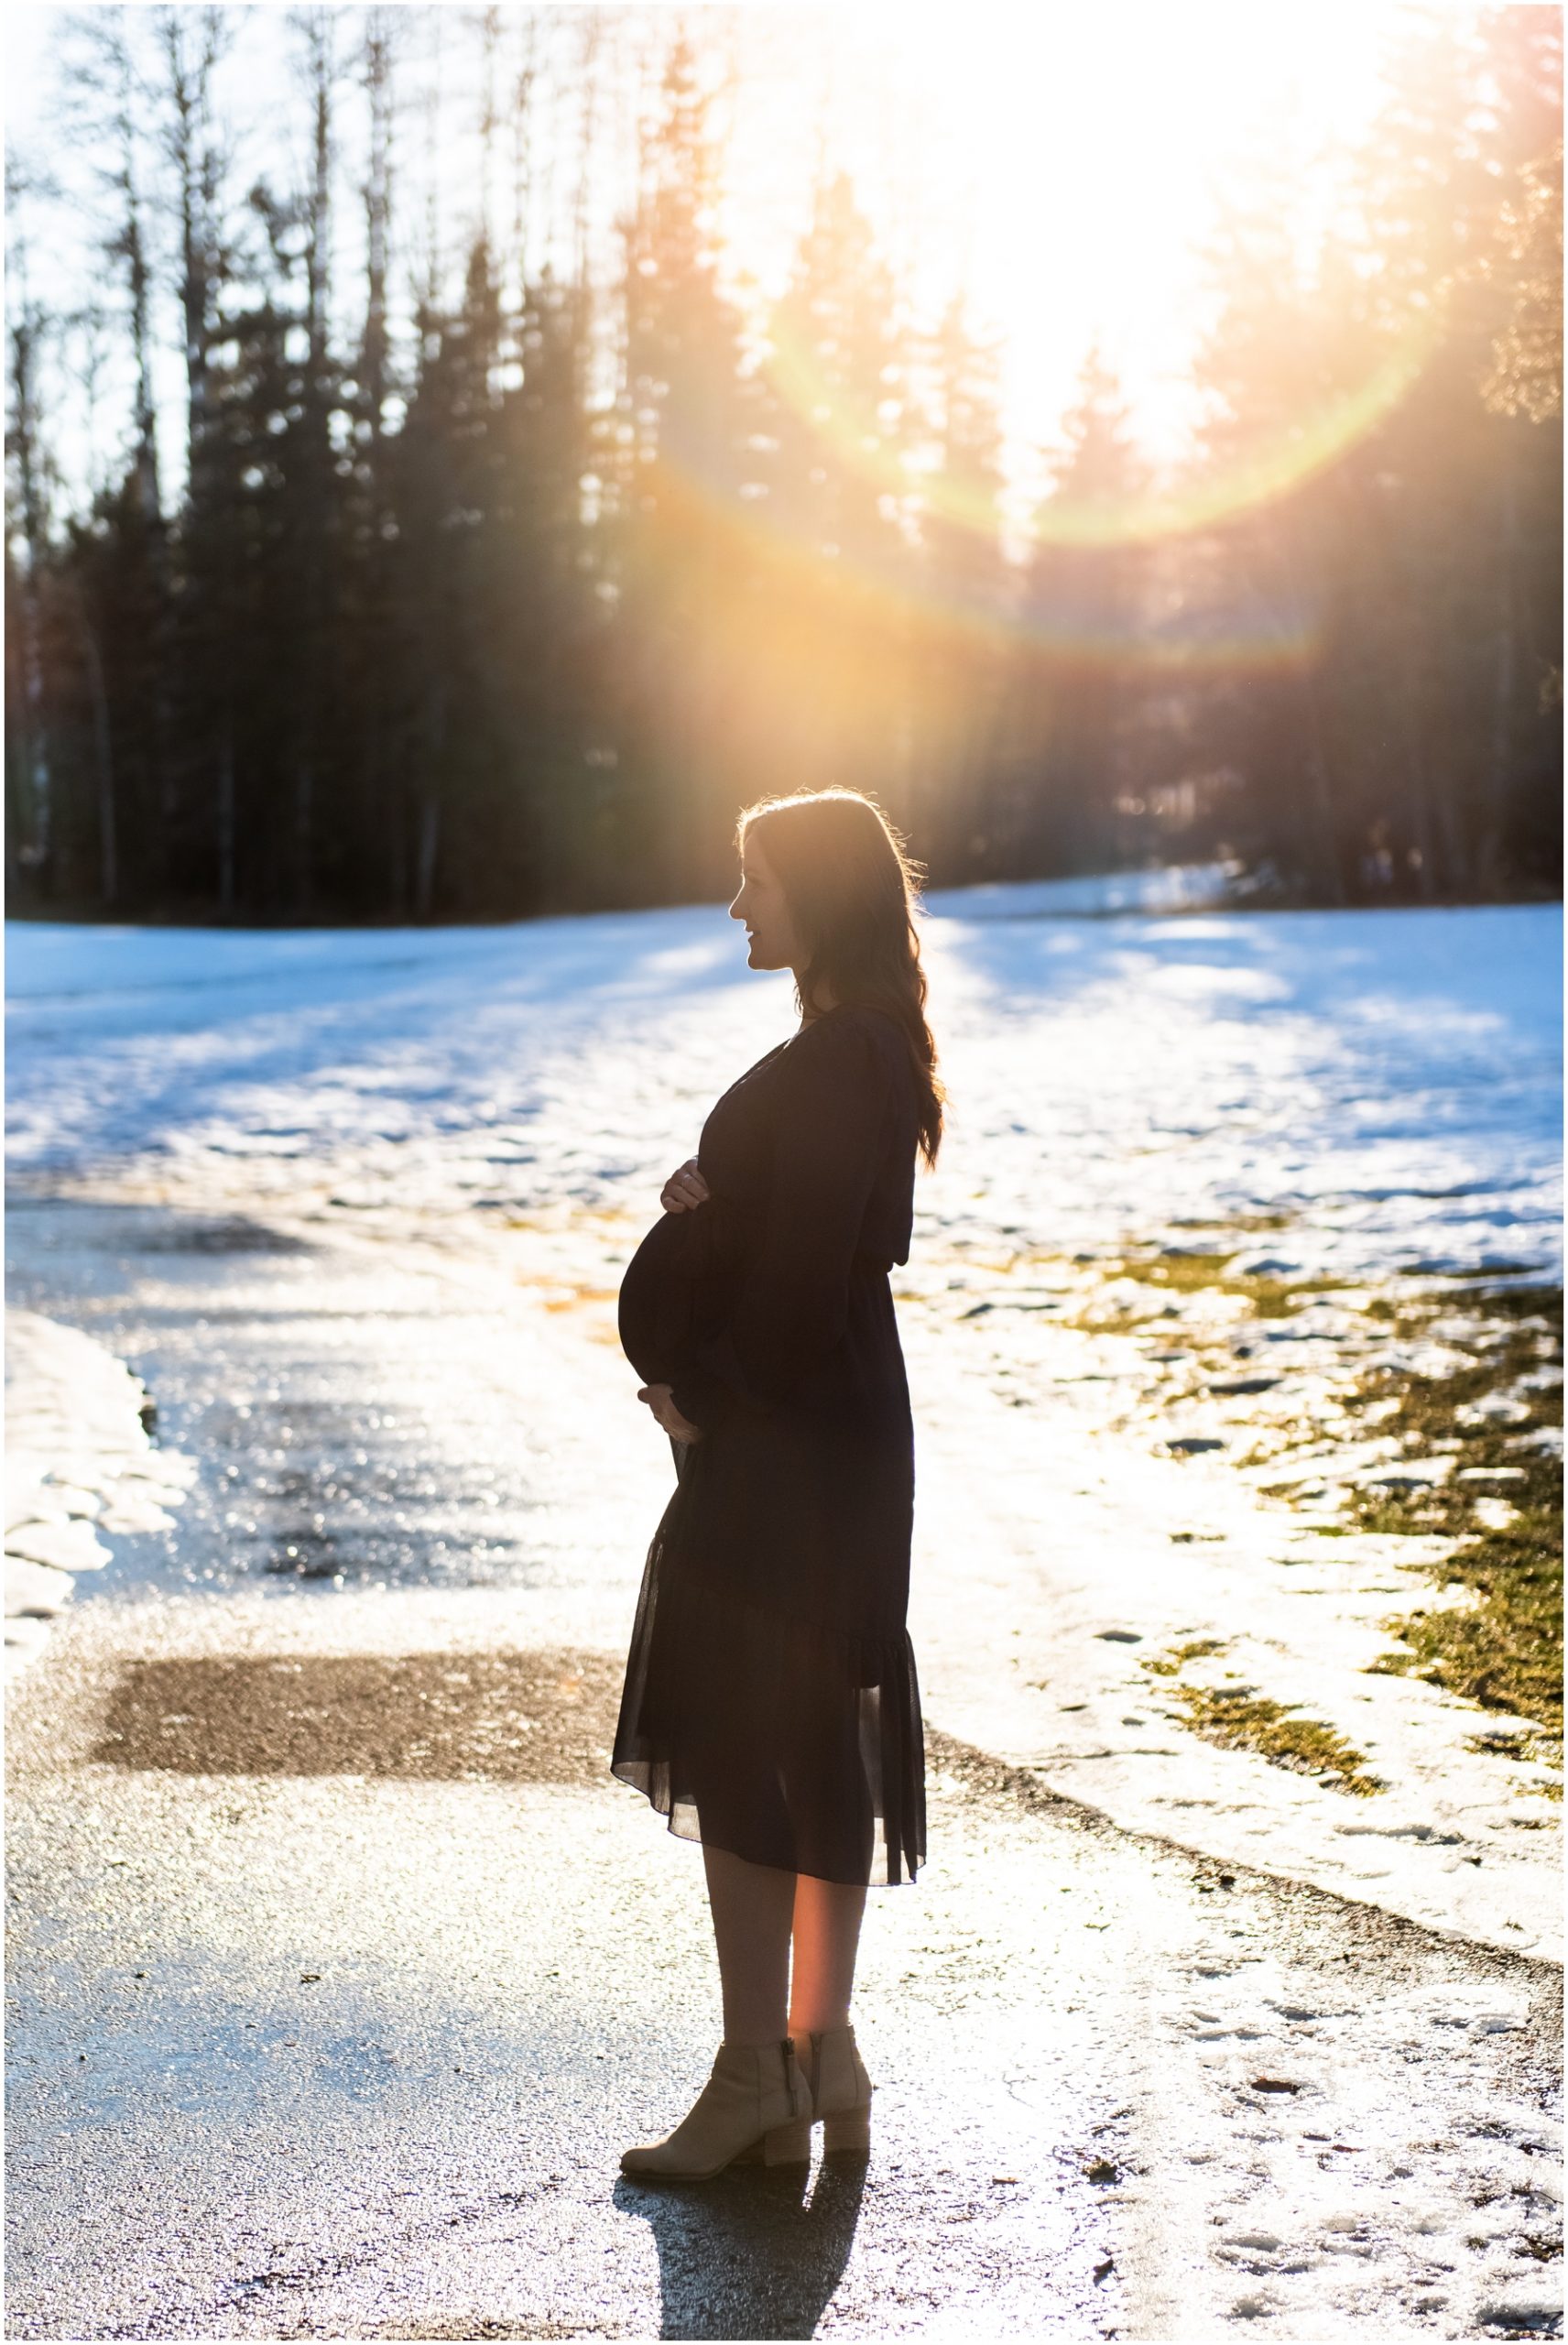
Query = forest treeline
x=492 y=582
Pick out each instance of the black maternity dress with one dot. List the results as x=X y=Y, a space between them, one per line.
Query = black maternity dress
x=770 y=1705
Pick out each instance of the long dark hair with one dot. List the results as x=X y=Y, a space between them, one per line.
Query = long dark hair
x=852 y=890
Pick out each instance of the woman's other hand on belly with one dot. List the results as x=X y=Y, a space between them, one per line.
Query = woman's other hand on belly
x=685 y=1190
x=658 y=1398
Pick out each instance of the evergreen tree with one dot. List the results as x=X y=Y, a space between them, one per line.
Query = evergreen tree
x=681 y=574
x=503 y=592
x=835 y=612
x=1083 y=612
x=958 y=678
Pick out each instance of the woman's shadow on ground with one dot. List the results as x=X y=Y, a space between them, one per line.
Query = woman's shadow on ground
x=755 y=2252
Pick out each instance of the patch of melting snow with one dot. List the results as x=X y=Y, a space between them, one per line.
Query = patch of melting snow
x=1387 y=1083
x=1418 y=1358
x=1407 y=1474
x=78 y=1462
x=1351 y=2212
x=1079 y=1578
x=1347 y=1460
x=1497 y=1408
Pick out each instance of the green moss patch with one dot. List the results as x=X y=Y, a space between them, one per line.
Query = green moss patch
x=1171 y=1663
x=1183 y=1274
x=1180 y=1272
x=1237 y=1719
x=1504 y=1649
x=1250 y=1221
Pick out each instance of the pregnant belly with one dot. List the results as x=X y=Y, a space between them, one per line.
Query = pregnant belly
x=671 y=1293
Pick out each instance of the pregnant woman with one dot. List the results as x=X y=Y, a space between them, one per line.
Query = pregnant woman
x=770 y=1708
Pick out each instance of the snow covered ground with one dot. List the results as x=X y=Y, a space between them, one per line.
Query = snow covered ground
x=1366 y=1098
x=78 y=1462
x=1389 y=1080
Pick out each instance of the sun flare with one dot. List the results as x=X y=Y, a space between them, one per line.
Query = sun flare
x=1064 y=165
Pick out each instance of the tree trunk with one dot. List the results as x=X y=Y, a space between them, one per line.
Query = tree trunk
x=304 y=808
x=398 y=868
x=226 y=824
x=1415 y=767
x=376 y=727
x=103 y=743
x=23 y=441
x=196 y=173
x=377 y=222
x=315 y=513
x=429 y=840
x=149 y=492
x=1320 y=780
x=1505 y=685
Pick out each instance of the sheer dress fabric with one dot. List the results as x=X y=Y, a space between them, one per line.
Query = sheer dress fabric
x=771 y=1707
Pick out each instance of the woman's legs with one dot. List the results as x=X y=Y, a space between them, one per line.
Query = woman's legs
x=752 y=1907
x=757 y=1909
x=827 y=1919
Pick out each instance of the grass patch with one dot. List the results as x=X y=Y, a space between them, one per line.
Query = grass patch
x=1171 y=1663
x=1243 y=1721
x=1180 y=1271
x=1530 y=1749
x=1234 y=1221
x=1237 y=1719
x=1504 y=1651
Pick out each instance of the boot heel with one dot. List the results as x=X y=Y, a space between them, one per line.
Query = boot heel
x=849 y=2134
x=788 y=2145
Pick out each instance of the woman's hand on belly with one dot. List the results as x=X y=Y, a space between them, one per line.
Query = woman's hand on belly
x=657 y=1397
x=685 y=1189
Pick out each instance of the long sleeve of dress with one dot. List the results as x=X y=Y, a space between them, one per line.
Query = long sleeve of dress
x=791 y=1307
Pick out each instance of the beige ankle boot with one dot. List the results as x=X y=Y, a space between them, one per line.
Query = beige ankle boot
x=841 y=2090
x=756 y=2105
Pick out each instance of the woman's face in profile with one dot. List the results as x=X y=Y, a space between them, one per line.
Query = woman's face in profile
x=770 y=933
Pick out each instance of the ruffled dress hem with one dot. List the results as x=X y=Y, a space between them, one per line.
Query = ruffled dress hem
x=788 y=1744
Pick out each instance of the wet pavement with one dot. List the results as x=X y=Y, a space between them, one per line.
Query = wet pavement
x=341 y=1970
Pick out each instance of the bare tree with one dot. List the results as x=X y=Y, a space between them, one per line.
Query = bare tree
x=106 y=104
x=29 y=329
x=318 y=73
x=377 y=62
x=192 y=43
x=103 y=107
